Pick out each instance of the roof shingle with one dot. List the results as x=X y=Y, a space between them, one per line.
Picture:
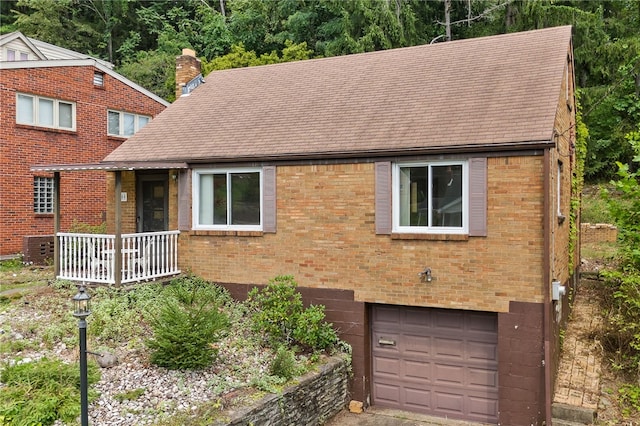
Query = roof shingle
x=499 y=90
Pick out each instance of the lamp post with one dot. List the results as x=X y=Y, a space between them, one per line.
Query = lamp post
x=81 y=305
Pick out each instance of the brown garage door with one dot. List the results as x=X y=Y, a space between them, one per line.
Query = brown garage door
x=441 y=362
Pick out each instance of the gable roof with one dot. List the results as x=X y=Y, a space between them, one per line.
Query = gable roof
x=491 y=92
x=49 y=55
x=45 y=51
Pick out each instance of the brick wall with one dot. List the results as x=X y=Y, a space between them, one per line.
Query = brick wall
x=82 y=193
x=326 y=239
x=598 y=233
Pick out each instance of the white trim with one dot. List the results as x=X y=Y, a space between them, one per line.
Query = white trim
x=56 y=63
x=396 y=182
x=35 y=112
x=197 y=173
x=121 y=126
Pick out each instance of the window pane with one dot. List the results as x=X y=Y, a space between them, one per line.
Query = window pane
x=142 y=121
x=25 y=109
x=113 y=123
x=24 y=56
x=414 y=192
x=205 y=212
x=245 y=199
x=220 y=199
x=11 y=55
x=42 y=195
x=447 y=201
x=65 y=115
x=45 y=112
x=129 y=124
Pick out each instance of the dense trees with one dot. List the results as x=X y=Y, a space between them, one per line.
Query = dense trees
x=142 y=39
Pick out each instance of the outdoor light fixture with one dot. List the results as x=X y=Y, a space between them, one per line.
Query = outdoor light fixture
x=81 y=310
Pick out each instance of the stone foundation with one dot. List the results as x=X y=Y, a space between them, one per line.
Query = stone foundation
x=318 y=396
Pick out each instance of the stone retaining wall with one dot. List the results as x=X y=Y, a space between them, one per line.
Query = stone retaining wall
x=318 y=396
x=598 y=232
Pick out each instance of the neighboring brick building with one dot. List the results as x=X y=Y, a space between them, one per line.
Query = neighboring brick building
x=59 y=107
x=421 y=194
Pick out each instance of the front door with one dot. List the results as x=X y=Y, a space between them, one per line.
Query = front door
x=152 y=203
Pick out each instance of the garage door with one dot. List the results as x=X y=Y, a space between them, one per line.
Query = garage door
x=441 y=362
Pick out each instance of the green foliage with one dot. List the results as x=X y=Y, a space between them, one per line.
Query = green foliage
x=131 y=395
x=187 y=324
x=278 y=312
x=623 y=319
x=120 y=315
x=577 y=181
x=629 y=399
x=14 y=264
x=626 y=207
x=284 y=364
x=40 y=392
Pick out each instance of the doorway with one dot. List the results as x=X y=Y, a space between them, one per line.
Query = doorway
x=152 y=204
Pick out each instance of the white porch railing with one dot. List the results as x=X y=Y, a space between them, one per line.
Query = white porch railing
x=92 y=257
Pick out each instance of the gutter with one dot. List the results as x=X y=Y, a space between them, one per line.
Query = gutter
x=546 y=280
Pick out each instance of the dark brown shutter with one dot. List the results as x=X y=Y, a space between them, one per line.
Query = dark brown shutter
x=383 y=197
x=269 y=199
x=184 y=200
x=478 y=197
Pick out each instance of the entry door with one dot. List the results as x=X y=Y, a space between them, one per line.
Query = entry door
x=152 y=203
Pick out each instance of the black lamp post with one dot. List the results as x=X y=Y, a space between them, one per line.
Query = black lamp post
x=81 y=310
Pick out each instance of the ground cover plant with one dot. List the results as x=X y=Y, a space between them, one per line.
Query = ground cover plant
x=186 y=351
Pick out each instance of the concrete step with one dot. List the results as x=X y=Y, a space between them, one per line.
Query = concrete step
x=572 y=414
x=560 y=422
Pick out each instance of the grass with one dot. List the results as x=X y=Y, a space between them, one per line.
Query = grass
x=594 y=205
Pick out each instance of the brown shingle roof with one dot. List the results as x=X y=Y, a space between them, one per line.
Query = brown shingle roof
x=497 y=91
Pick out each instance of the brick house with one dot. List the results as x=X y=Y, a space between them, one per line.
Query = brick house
x=62 y=107
x=421 y=194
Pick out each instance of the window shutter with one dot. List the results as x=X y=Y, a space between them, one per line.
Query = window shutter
x=269 y=199
x=478 y=197
x=383 y=197
x=184 y=200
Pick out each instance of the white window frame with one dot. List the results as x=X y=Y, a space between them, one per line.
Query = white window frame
x=43 y=195
x=121 y=115
x=35 y=112
x=396 y=183
x=17 y=55
x=229 y=227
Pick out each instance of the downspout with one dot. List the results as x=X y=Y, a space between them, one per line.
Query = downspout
x=117 y=272
x=546 y=283
x=56 y=223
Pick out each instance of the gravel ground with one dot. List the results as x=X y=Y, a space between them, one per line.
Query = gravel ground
x=159 y=393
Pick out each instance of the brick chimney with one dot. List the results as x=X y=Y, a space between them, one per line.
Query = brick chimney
x=188 y=67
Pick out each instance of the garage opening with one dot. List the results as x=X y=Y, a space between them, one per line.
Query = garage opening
x=440 y=362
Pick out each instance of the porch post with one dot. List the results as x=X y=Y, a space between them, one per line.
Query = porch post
x=56 y=223
x=117 y=273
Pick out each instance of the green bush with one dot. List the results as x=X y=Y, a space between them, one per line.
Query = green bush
x=187 y=324
x=278 y=312
x=284 y=364
x=40 y=392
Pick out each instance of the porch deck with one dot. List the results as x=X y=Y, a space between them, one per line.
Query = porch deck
x=107 y=259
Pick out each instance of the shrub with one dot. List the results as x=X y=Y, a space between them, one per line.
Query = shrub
x=284 y=364
x=40 y=392
x=187 y=324
x=278 y=312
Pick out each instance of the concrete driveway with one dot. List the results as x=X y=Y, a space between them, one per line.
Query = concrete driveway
x=387 y=417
